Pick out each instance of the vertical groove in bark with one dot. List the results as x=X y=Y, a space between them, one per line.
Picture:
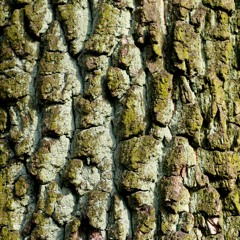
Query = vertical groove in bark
x=119 y=119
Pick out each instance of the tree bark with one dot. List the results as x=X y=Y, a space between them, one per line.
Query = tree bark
x=119 y=119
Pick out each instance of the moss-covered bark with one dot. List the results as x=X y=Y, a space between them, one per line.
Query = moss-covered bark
x=119 y=119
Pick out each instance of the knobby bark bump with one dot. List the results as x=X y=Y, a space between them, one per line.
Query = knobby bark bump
x=119 y=119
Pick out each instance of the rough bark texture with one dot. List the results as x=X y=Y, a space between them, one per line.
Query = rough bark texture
x=119 y=119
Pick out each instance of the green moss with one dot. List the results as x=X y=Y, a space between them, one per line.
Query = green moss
x=191 y=121
x=180 y=157
x=156 y=39
x=50 y=88
x=102 y=40
x=144 y=221
x=179 y=235
x=53 y=38
x=130 y=120
x=74 y=225
x=208 y=201
x=168 y=222
x=85 y=144
x=97 y=207
x=21 y=186
x=117 y=81
x=138 y=199
x=231 y=227
x=69 y=16
x=17 y=39
x=6 y=64
x=4 y=13
x=3 y=120
x=131 y=181
x=5 y=234
x=176 y=197
x=186 y=48
x=72 y=169
x=101 y=44
x=161 y=96
x=36 y=13
x=72 y=228
x=6 y=206
x=186 y=222
x=93 y=85
x=14 y=86
x=107 y=19
x=5 y=153
x=136 y=151
x=219 y=54
x=232 y=202
x=39 y=232
x=52 y=62
x=228 y=6
x=39 y=159
x=23 y=147
x=75 y=24
x=126 y=55
x=221 y=165
x=54 y=120
x=51 y=199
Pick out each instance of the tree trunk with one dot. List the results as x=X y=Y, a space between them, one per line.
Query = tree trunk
x=119 y=119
